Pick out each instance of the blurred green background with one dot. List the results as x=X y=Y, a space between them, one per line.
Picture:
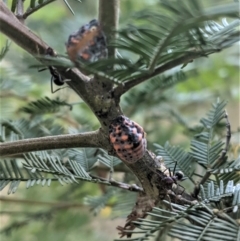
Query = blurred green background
x=165 y=114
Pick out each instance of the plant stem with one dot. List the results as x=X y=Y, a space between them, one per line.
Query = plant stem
x=87 y=139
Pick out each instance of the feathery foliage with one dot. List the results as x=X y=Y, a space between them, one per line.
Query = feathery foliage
x=176 y=224
x=221 y=194
x=206 y=150
x=176 y=33
x=34 y=6
x=175 y=155
x=184 y=28
x=43 y=168
x=150 y=92
x=44 y=105
x=109 y=161
x=99 y=202
x=220 y=197
x=228 y=171
x=29 y=128
x=86 y=157
x=9 y=129
x=179 y=31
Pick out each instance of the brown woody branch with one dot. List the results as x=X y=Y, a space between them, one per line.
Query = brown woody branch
x=94 y=92
x=108 y=14
x=87 y=139
x=122 y=185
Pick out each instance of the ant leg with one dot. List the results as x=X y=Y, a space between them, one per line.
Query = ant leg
x=54 y=91
x=183 y=189
x=52 y=81
x=40 y=70
x=174 y=169
x=52 y=85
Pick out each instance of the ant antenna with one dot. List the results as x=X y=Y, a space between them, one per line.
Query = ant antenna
x=174 y=169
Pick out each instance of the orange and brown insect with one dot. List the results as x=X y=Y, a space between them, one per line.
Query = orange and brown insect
x=88 y=43
x=128 y=139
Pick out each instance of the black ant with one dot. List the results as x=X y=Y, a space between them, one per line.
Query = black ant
x=173 y=179
x=170 y=180
x=56 y=77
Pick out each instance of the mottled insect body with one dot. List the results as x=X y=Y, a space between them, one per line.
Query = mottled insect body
x=88 y=43
x=178 y=176
x=128 y=139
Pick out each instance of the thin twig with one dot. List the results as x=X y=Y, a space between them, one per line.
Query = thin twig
x=87 y=139
x=108 y=15
x=20 y=10
x=33 y=10
x=228 y=138
x=122 y=185
x=161 y=45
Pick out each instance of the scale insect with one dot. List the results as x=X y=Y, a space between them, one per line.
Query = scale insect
x=127 y=138
x=87 y=44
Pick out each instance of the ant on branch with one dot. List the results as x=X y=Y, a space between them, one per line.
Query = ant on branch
x=170 y=180
x=56 y=77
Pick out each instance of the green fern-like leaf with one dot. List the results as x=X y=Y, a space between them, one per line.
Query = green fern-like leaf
x=228 y=171
x=98 y=203
x=124 y=202
x=86 y=157
x=151 y=92
x=12 y=172
x=34 y=7
x=216 y=114
x=174 y=35
x=204 y=153
x=109 y=161
x=205 y=227
x=45 y=105
x=10 y=129
x=38 y=126
x=43 y=168
x=43 y=162
x=175 y=155
x=203 y=148
x=175 y=224
x=169 y=35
